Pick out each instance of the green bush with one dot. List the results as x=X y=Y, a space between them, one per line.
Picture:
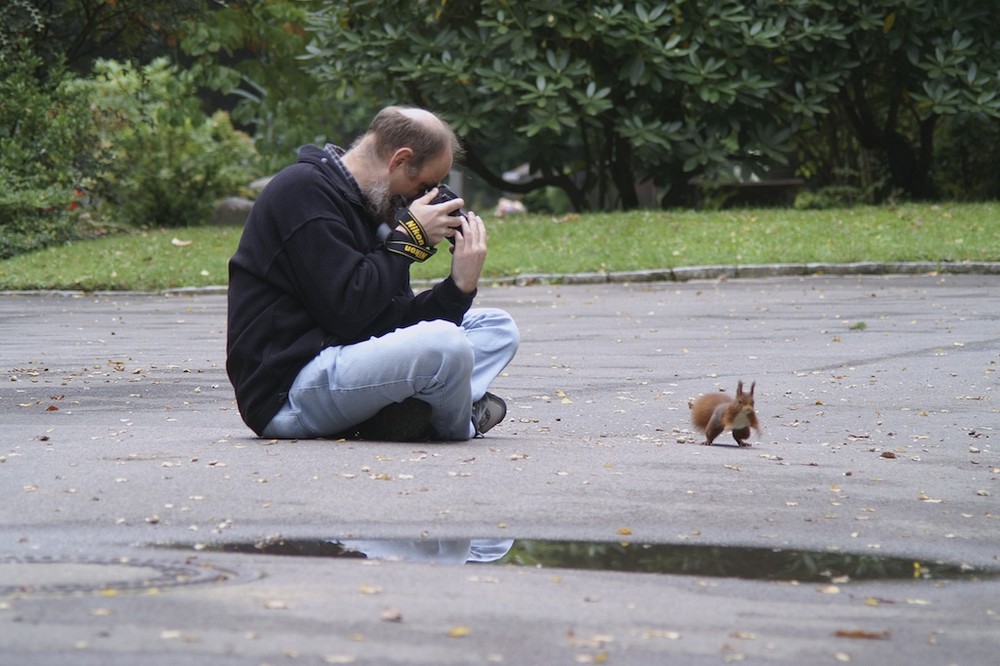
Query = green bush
x=547 y=200
x=43 y=147
x=34 y=217
x=825 y=198
x=160 y=160
x=969 y=150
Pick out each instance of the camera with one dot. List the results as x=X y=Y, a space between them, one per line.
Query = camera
x=445 y=194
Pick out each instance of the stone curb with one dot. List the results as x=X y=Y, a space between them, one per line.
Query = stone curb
x=685 y=274
x=680 y=274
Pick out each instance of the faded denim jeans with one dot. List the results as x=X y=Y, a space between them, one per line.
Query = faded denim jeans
x=447 y=366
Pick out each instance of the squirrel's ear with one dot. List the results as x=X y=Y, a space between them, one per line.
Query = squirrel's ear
x=739 y=387
x=752 y=387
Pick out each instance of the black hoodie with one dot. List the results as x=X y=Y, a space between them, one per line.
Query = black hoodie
x=309 y=273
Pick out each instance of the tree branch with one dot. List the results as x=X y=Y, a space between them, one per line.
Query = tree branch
x=491 y=178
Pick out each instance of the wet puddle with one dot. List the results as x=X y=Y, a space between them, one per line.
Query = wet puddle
x=693 y=560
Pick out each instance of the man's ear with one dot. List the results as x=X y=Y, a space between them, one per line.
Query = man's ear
x=400 y=158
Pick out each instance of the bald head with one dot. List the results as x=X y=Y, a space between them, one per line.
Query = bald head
x=422 y=131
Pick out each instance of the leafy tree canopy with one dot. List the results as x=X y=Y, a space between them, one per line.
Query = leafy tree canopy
x=600 y=95
x=77 y=32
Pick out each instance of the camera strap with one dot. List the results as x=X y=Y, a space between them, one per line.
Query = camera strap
x=411 y=251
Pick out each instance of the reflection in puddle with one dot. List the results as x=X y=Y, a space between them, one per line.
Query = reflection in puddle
x=733 y=562
x=718 y=561
x=437 y=551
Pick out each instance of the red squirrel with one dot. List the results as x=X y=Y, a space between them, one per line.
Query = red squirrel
x=714 y=413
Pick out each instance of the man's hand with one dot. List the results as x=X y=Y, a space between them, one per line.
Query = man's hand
x=469 y=253
x=436 y=220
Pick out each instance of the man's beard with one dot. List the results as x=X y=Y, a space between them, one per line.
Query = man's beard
x=378 y=201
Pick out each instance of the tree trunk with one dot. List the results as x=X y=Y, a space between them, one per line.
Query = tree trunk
x=623 y=174
x=909 y=171
x=682 y=194
x=564 y=183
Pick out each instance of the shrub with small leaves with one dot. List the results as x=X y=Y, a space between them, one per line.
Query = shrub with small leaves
x=43 y=147
x=161 y=160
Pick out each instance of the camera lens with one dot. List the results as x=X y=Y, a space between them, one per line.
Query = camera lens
x=445 y=194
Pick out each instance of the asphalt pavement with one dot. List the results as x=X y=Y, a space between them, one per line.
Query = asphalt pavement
x=125 y=469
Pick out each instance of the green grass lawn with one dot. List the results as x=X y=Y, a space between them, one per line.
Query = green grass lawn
x=611 y=242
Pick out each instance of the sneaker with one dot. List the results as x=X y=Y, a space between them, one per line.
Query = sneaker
x=405 y=421
x=487 y=412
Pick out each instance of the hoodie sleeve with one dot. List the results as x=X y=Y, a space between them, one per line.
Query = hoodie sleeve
x=347 y=282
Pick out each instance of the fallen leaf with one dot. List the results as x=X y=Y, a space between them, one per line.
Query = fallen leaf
x=858 y=633
x=276 y=604
x=624 y=531
x=459 y=632
x=391 y=615
x=659 y=633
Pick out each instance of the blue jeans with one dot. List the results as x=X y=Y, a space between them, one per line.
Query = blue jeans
x=447 y=366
